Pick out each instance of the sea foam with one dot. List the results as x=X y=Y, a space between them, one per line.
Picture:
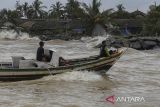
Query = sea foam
x=13 y=35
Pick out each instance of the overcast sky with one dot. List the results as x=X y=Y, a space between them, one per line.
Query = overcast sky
x=130 y=5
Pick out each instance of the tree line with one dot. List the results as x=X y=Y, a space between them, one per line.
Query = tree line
x=89 y=13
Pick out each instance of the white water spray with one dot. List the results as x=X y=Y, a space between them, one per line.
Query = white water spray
x=92 y=42
x=76 y=76
x=13 y=35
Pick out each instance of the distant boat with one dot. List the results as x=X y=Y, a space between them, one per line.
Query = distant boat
x=92 y=63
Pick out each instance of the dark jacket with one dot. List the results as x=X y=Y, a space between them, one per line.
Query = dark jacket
x=40 y=53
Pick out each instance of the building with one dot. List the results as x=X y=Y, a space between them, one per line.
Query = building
x=129 y=26
x=51 y=26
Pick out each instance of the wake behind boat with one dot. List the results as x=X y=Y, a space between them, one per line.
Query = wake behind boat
x=10 y=71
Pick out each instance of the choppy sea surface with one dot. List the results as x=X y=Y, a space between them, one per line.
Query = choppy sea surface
x=136 y=74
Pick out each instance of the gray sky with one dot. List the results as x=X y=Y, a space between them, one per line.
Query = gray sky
x=130 y=5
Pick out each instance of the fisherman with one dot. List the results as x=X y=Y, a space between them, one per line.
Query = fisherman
x=40 y=52
x=103 y=50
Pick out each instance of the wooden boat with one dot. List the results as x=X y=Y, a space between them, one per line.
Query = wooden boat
x=93 y=63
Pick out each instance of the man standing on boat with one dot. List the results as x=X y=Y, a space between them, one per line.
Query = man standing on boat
x=40 y=52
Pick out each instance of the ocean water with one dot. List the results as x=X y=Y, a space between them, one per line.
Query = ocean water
x=136 y=74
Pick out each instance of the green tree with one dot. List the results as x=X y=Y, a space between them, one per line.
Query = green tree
x=121 y=13
x=4 y=14
x=73 y=9
x=12 y=14
x=56 y=11
x=19 y=9
x=30 y=13
x=152 y=22
x=38 y=9
x=8 y=15
x=25 y=8
x=120 y=7
x=93 y=15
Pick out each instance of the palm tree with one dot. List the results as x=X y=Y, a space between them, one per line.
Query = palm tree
x=94 y=16
x=120 y=7
x=106 y=16
x=8 y=15
x=38 y=9
x=121 y=13
x=12 y=14
x=57 y=10
x=73 y=9
x=19 y=9
x=4 y=14
x=25 y=9
x=152 y=22
x=30 y=12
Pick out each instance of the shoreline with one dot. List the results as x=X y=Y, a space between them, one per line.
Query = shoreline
x=138 y=43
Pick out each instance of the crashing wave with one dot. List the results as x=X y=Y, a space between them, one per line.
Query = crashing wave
x=93 y=42
x=13 y=35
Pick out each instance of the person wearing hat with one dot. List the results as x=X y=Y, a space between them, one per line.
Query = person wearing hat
x=40 y=52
